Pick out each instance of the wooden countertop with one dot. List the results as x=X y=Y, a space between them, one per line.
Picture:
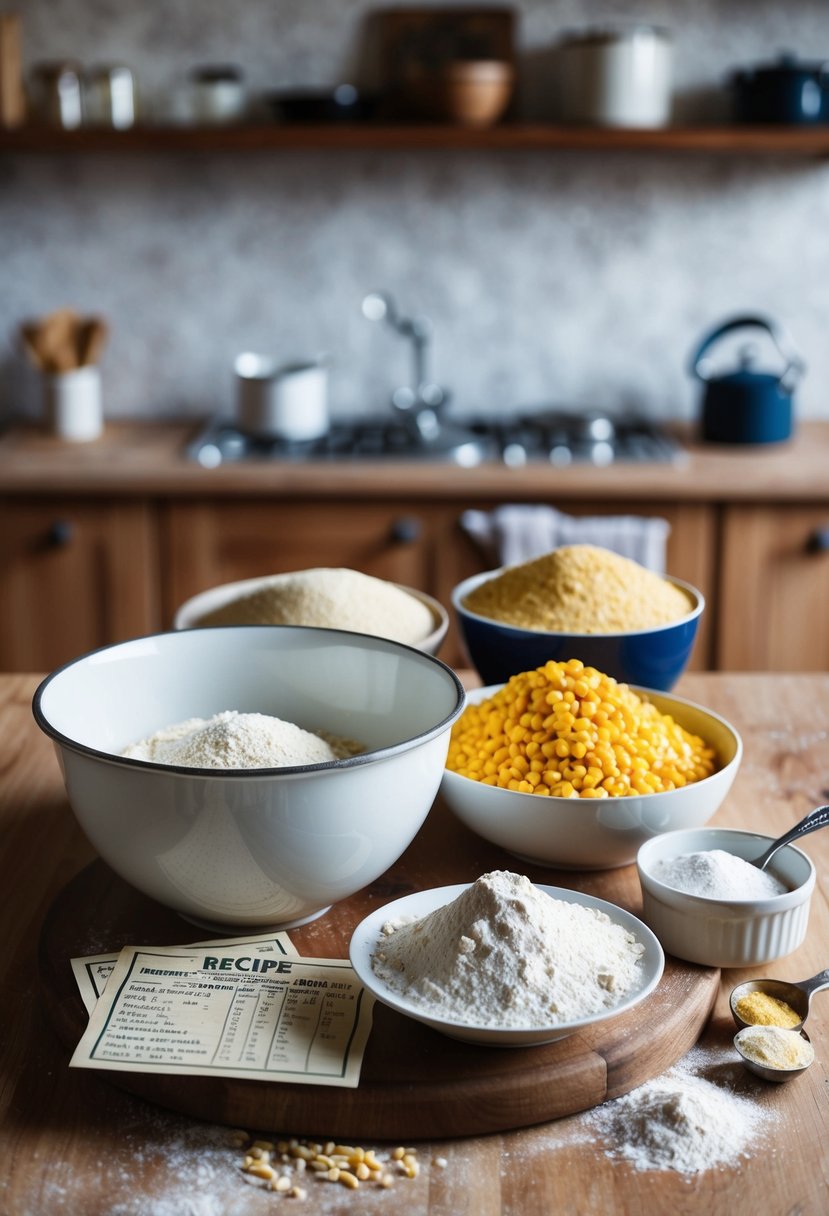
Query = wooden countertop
x=146 y=458
x=75 y=1144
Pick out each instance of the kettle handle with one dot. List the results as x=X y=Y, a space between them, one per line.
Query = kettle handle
x=794 y=363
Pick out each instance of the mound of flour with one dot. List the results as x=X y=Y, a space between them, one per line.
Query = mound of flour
x=682 y=1121
x=717 y=874
x=236 y=740
x=506 y=954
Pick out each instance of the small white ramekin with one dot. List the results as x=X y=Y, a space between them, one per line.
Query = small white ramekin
x=733 y=933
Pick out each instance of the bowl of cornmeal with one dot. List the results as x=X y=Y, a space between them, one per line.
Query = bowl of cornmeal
x=326 y=598
x=579 y=602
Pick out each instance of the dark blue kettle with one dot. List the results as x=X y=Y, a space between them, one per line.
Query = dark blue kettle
x=746 y=405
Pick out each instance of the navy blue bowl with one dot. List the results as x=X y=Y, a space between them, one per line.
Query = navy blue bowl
x=651 y=658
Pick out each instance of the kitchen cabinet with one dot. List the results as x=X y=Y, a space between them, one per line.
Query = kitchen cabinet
x=103 y=541
x=74 y=575
x=774 y=589
x=208 y=542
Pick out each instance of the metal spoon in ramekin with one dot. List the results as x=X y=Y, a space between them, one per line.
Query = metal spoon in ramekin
x=818 y=818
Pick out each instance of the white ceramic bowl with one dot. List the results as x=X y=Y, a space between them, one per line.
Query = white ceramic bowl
x=189 y=613
x=735 y=933
x=593 y=833
x=251 y=847
x=421 y=903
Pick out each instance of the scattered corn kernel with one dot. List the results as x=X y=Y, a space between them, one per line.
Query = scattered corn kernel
x=261 y=1169
x=350 y=1166
x=635 y=748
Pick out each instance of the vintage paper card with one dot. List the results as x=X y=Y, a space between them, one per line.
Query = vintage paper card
x=238 y=1010
x=91 y=973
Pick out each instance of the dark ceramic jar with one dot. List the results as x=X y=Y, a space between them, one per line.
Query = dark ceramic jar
x=788 y=91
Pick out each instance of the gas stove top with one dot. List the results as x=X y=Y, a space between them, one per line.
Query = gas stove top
x=557 y=437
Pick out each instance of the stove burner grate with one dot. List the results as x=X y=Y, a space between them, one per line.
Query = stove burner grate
x=557 y=437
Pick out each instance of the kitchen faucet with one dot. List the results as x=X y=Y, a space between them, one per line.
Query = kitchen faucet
x=421 y=400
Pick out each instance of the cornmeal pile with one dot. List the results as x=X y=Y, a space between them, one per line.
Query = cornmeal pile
x=579 y=589
x=331 y=599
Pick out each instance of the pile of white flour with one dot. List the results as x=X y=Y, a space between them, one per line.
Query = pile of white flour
x=681 y=1121
x=506 y=954
x=237 y=740
x=717 y=875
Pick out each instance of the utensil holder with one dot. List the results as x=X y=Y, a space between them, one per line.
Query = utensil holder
x=74 y=409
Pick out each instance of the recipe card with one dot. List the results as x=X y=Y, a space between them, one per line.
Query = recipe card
x=233 y=1009
x=91 y=973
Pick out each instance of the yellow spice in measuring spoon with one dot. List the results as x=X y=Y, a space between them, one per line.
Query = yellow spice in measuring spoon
x=761 y=1009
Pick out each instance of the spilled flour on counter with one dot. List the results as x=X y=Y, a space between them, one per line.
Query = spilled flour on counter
x=704 y=1113
x=506 y=954
x=682 y=1121
x=237 y=740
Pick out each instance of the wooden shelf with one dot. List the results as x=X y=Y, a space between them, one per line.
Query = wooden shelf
x=738 y=141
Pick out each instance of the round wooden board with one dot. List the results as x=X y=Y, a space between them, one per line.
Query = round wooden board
x=415 y=1083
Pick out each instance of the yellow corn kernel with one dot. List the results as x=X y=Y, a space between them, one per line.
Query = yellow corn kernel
x=565 y=730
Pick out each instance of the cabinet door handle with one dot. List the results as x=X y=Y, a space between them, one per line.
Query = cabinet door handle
x=60 y=533
x=406 y=530
x=818 y=540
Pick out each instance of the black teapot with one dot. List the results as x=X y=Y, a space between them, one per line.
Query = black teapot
x=746 y=405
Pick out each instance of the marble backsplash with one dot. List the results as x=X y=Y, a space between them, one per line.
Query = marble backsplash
x=584 y=279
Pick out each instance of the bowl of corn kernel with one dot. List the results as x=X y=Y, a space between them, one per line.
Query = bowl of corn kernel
x=584 y=602
x=565 y=766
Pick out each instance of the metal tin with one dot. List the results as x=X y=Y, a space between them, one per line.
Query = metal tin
x=55 y=94
x=110 y=97
x=219 y=96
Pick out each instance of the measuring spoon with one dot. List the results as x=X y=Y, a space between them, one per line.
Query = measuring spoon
x=818 y=818
x=797 y=994
x=773 y=1074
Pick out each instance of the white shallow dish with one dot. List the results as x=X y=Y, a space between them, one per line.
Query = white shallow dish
x=726 y=933
x=596 y=834
x=419 y=904
x=189 y=613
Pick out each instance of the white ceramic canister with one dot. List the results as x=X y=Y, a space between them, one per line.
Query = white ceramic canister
x=73 y=404
x=281 y=401
x=616 y=77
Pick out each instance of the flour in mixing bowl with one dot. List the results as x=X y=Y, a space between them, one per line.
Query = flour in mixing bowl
x=505 y=953
x=238 y=740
